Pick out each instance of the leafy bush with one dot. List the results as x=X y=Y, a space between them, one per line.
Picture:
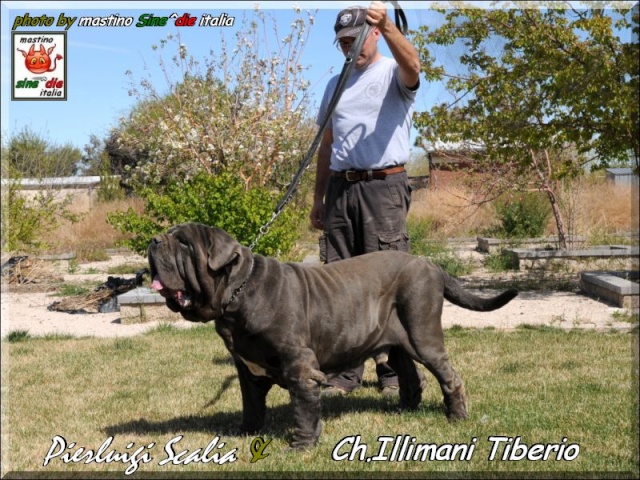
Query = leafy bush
x=221 y=201
x=500 y=262
x=523 y=215
x=25 y=220
x=244 y=108
x=436 y=250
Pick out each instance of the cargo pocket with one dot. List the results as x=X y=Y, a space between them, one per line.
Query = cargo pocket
x=394 y=241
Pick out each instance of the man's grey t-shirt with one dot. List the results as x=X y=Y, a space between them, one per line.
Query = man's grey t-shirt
x=372 y=121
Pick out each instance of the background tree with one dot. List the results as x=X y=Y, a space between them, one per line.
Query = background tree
x=25 y=218
x=244 y=108
x=545 y=91
x=241 y=114
x=32 y=155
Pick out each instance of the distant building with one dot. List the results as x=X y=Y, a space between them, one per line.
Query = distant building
x=452 y=155
x=621 y=176
x=447 y=160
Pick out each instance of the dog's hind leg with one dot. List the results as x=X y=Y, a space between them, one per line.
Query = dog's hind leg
x=436 y=360
x=455 y=398
x=421 y=316
x=419 y=308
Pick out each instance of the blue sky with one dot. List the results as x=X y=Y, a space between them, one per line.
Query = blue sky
x=98 y=57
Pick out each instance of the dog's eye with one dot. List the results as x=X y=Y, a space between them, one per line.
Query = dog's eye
x=186 y=247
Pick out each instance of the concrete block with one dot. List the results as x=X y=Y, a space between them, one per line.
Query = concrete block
x=612 y=287
x=604 y=251
x=488 y=244
x=144 y=305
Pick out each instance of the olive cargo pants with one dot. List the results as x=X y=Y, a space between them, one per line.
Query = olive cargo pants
x=363 y=217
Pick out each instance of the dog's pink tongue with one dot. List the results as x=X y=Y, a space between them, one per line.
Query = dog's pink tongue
x=157 y=284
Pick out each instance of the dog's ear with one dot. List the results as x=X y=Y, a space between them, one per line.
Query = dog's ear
x=222 y=249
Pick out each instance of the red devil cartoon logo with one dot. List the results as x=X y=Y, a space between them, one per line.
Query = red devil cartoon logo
x=40 y=61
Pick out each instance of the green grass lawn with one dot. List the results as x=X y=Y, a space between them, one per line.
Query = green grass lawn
x=572 y=393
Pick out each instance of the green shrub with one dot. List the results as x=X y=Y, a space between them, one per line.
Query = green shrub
x=16 y=336
x=452 y=264
x=110 y=189
x=500 y=262
x=220 y=201
x=420 y=235
x=523 y=215
x=25 y=220
x=435 y=249
x=222 y=143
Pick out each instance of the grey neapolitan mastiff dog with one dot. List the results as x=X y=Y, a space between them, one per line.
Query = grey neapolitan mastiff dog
x=296 y=325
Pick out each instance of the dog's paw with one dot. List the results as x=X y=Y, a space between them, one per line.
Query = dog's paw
x=298 y=445
x=457 y=416
x=304 y=441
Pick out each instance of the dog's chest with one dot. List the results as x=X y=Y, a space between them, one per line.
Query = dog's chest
x=255 y=352
x=254 y=368
x=260 y=359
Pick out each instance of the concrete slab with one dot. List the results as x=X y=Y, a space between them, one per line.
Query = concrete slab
x=593 y=252
x=519 y=255
x=619 y=288
x=143 y=304
x=140 y=295
x=490 y=244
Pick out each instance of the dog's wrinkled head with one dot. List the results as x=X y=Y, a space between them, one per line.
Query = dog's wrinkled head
x=193 y=267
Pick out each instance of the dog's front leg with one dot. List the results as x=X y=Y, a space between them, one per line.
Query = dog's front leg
x=412 y=381
x=303 y=382
x=254 y=398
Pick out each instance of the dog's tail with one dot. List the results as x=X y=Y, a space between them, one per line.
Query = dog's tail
x=462 y=298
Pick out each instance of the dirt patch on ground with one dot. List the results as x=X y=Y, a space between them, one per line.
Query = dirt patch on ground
x=25 y=307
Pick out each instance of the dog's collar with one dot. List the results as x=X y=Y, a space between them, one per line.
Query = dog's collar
x=237 y=291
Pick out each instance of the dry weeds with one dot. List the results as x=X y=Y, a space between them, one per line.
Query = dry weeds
x=600 y=207
x=591 y=207
x=91 y=235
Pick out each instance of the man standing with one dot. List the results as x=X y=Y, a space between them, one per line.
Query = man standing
x=362 y=194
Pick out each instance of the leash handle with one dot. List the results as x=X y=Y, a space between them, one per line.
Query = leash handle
x=400 y=17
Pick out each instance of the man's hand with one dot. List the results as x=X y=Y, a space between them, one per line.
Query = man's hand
x=317 y=214
x=377 y=14
x=403 y=52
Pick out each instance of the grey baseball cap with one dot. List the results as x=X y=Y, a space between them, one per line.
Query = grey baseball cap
x=349 y=22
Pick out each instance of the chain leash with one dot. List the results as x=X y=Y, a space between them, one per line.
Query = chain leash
x=264 y=229
x=237 y=291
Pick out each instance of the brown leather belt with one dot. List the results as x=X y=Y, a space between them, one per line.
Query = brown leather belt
x=359 y=175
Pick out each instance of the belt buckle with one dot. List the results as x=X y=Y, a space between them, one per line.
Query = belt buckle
x=348 y=175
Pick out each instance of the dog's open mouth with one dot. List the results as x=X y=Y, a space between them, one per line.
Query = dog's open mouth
x=182 y=298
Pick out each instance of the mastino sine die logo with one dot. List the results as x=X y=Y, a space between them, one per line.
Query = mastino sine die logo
x=39 y=66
